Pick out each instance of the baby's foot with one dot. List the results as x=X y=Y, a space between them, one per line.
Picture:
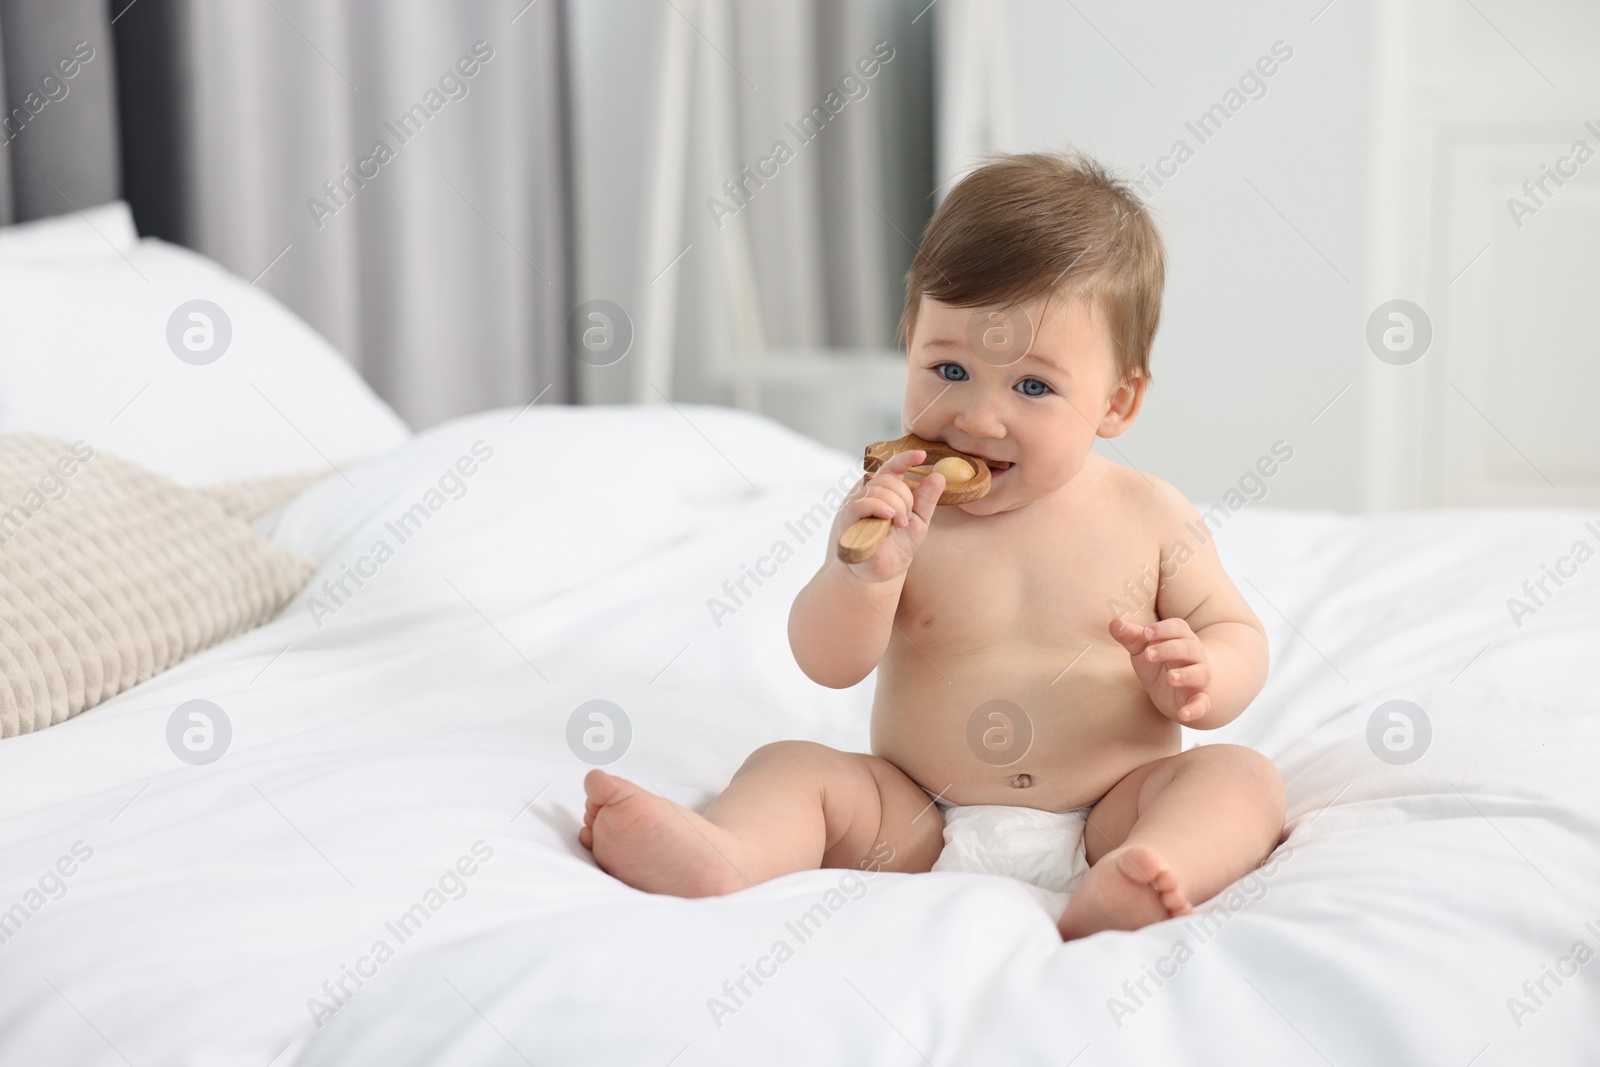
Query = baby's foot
x=652 y=844
x=1130 y=887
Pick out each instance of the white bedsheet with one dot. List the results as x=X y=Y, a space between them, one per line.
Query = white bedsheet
x=376 y=747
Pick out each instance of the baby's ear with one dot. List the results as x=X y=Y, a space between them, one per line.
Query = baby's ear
x=1124 y=406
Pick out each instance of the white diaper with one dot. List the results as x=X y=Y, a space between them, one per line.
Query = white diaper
x=1042 y=848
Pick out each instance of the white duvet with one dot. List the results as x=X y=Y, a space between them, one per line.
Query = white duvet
x=383 y=869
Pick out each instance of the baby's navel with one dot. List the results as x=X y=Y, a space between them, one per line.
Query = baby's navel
x=1021 y=781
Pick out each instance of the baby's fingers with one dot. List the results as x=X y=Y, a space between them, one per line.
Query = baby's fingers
x=887 y=500
x=1193 y=676
x=1129 y=635
x=1196 y=707
x=1178 y=650
x=901 y=462
x=874 y=506
x=926 y=497
x=1166 y=629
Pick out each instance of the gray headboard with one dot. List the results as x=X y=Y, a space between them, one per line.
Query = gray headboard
x=58 y=132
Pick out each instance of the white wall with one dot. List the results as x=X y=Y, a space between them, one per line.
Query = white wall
x=1503 y=410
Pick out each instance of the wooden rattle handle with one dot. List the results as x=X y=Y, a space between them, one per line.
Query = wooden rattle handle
x=862 y=539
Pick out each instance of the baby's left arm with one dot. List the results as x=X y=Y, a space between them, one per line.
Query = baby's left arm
x=1205 y=658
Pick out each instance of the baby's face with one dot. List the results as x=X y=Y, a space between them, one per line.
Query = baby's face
x=1033 y=385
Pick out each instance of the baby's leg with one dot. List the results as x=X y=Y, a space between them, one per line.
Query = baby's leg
x=793 y=806
x=1173 y=834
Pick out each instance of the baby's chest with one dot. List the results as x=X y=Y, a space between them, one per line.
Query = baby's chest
x=1041 y=585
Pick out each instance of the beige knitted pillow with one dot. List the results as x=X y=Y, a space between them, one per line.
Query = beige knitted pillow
x=249 y=500
x=110 y=574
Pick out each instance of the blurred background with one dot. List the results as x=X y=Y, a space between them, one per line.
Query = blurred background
x=1381 y=218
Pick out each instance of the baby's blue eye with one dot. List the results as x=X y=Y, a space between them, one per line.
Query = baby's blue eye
x=1027 y=387
x=960 y=374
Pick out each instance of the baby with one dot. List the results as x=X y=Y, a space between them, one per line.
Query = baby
x=1037 y=649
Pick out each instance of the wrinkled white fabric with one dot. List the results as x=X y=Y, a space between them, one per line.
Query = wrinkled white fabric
x=381 y=734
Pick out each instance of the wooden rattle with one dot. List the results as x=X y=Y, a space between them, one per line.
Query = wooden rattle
x=966 y=479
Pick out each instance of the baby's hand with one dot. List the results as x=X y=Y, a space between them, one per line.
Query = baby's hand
x=887 y=496
x=1172 y=663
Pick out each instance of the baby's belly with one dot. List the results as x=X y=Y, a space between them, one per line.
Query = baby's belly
x=1005 y=725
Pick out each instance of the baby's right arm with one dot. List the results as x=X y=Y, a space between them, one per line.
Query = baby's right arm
x=840 y=623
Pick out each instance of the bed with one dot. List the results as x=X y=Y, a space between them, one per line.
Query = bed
x=379 y=865
x=391 y=737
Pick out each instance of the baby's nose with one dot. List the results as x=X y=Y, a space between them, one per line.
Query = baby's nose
x=980 y=419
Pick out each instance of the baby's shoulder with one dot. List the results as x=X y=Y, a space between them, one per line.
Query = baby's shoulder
x=1154 y=510
x=1145 y=495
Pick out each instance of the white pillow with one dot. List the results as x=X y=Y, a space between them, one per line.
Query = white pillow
x=85 y=355
x=97 y=231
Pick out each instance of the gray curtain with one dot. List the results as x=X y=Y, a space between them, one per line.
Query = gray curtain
x=830 y=236
x=679 y=100
x=58 y=143
x=396 y=172
x=834 y=232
